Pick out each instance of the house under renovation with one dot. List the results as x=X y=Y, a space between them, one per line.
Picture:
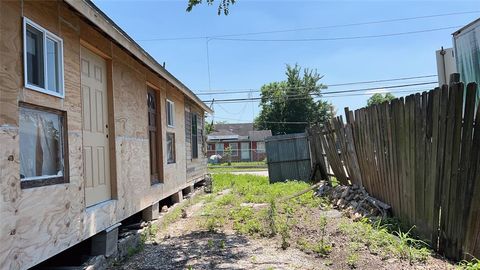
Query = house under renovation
x=92 y=129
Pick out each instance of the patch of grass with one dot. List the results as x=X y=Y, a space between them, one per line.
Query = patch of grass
x=320 y=248
x=473 y=264
x=352 y=260
x=227 y=199
x=378 y=240
x=172 y=216
x=257 y=189
x=246 y=221
x=267 y=214
x=210 y=243
x=239 y=164
x=235 y=169
x=412 y=249
x=134 y=250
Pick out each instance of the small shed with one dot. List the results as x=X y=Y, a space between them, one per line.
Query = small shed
x=288 y=157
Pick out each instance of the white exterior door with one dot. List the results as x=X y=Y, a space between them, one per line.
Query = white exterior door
x=96 y=161
x=245 y=150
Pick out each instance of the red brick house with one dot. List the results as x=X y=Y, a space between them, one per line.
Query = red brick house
x=247 y=144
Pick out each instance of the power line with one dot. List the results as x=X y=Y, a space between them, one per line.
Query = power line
x=272 y=122
x=315 y=27
x=333 y=92
x=241 y=91
x=339 y=38
x=334 y=96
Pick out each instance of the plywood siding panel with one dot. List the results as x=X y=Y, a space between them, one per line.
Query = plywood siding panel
x=10 y=61
x=130 y=91
x=45 y=14
x=9 y=192
x=71 y=52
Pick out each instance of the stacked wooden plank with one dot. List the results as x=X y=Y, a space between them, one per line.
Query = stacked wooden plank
x=421 y=155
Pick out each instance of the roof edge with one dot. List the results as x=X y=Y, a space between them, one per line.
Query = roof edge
x=90 y=11
x=466 y=27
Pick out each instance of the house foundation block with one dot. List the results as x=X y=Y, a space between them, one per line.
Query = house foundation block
x=177 y=197
x=151 y=213
x=105 y=242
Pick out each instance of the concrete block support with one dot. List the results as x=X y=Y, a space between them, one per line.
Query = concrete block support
x=177 y=197
x=151 y=213
x=105 y=242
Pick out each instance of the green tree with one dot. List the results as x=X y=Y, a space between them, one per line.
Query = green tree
x=293 y=100
x=209 y=127
x=379 y=98
x=223 y=6
x=228 y=154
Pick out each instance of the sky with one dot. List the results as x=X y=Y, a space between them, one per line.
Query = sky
x=179 y=38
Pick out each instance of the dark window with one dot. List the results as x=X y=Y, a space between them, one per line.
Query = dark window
x=42 y=146
x=154 y=138
x=170 y=147
x=194 y=136
x=34 y=52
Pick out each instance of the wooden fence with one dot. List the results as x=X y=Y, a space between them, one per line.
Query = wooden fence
x=421 y=155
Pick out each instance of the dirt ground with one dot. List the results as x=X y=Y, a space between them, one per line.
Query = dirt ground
x=185 y=244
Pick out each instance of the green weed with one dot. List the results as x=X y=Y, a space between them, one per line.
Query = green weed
x=284 y=230
x=352 y=260
x=473 y=264
x=376 y=237
x=410 y=248
x=320 y=248
x=272 y=215
x=277 y=217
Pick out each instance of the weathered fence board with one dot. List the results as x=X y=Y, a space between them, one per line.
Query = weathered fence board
x=421 y=155
x=288 y=157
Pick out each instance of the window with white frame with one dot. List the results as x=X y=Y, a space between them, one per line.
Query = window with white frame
x=42 y=146
x=219 y=147
x=234 y=148
x=43 y=59
x=260 y=147
x=170 y=113
x=210 y=147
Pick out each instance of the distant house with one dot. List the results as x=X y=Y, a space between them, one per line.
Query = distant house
x=247 y=144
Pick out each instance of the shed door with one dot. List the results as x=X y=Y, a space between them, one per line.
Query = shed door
x=96 y=162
